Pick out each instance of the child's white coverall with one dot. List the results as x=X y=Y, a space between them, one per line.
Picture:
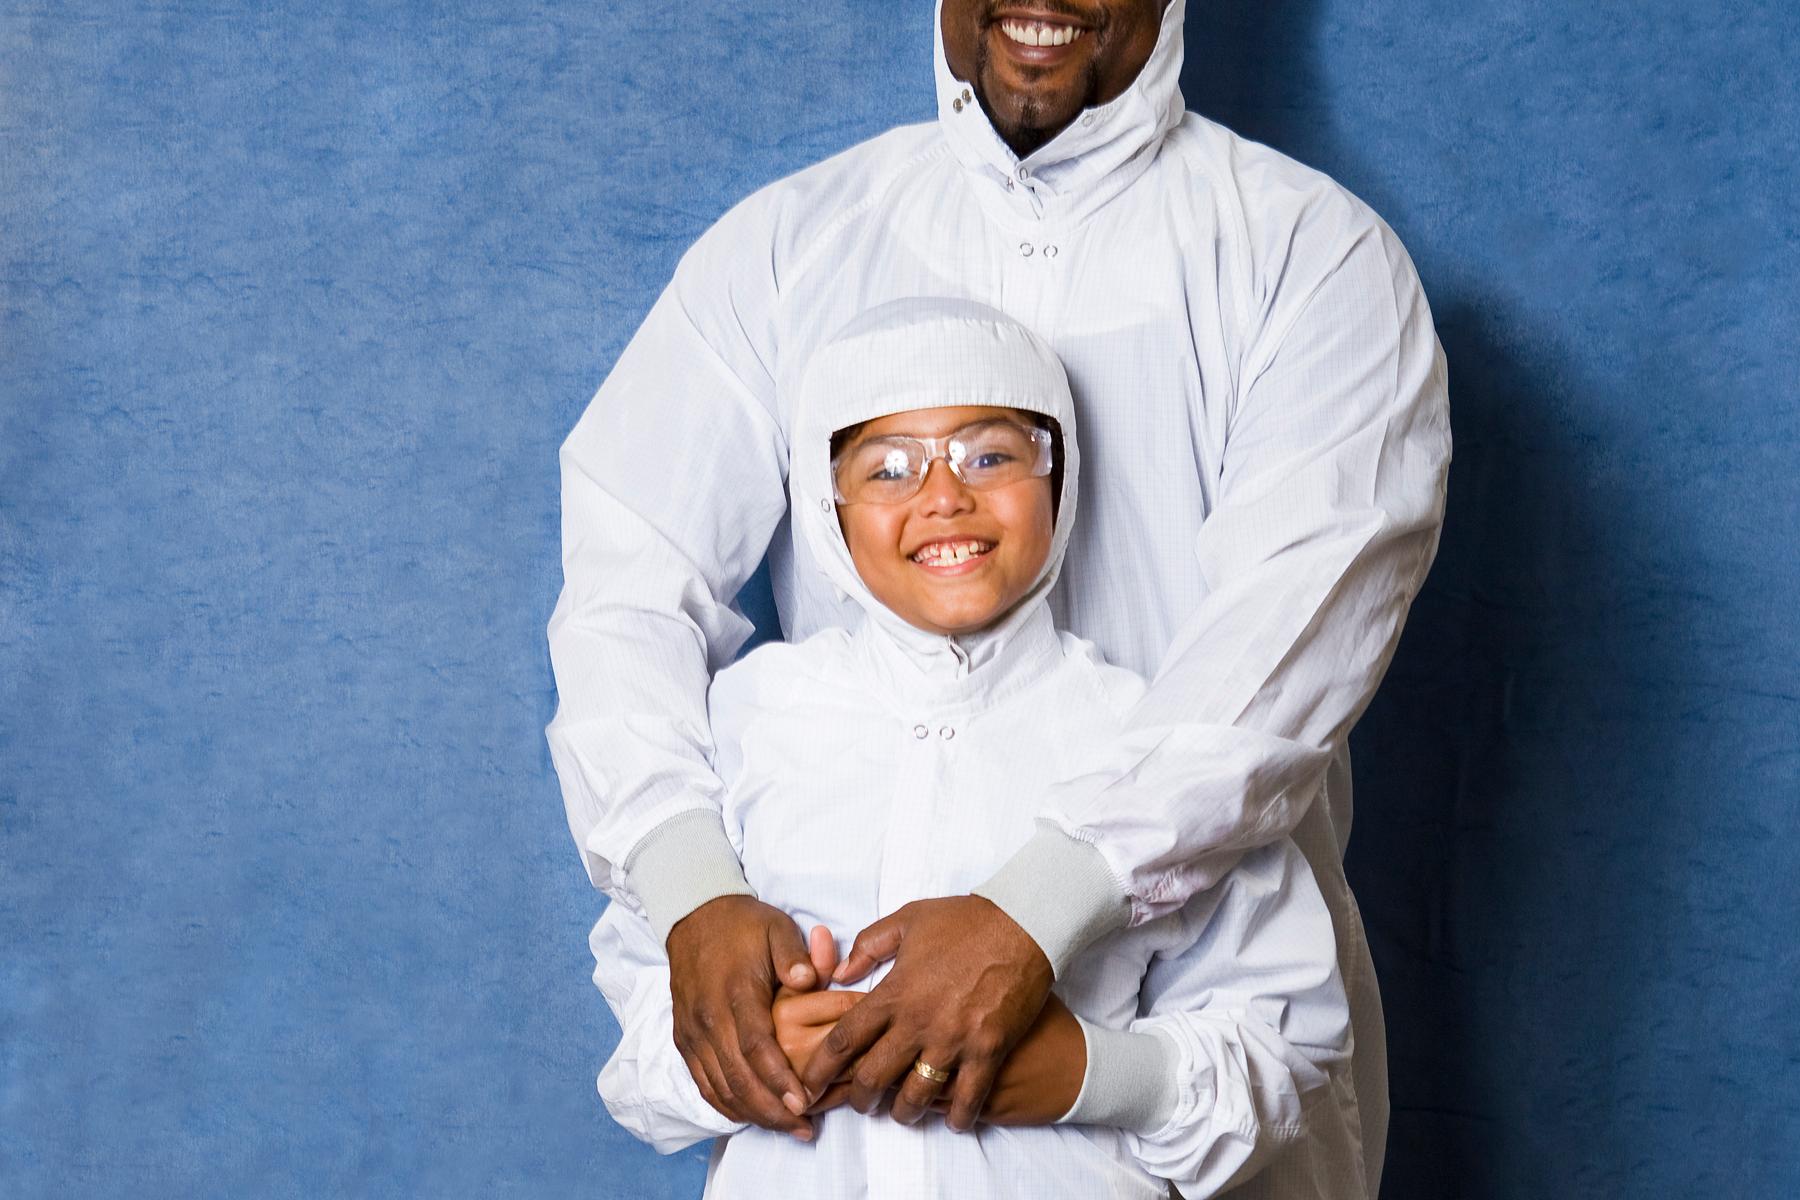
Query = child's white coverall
x=870 y=769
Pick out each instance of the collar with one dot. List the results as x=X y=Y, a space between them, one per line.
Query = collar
x=1097 y=156
x=928 y=677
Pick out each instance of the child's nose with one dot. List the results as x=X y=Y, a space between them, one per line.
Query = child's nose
x=942 y=493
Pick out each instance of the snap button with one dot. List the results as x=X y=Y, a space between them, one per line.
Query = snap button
x=1025 y=248
x=956 y=105
x=1049 y=251
x=967 y=96
x=946 y=733
x=1087 y=120
x=824 y=506
x=920 y=732
x=1024 y=174
x=1009 y=185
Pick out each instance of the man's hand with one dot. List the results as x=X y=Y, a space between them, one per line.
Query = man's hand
x=1042 y=1076
x=966 y=985
x=726 y=959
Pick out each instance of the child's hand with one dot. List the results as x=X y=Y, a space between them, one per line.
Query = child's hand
x=803 y=1018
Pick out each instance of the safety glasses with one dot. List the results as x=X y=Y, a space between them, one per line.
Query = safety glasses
x=985 y=455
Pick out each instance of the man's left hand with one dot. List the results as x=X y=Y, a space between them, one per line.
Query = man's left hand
x=966 y=985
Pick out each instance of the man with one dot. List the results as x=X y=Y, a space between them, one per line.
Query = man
x=1264 y=399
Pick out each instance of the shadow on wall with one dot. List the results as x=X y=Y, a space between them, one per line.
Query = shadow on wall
x=1492 y=766
x=1253 y=65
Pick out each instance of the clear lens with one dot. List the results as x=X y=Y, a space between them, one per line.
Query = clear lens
x=881 y=470
x=995 y=454
x=992 y=454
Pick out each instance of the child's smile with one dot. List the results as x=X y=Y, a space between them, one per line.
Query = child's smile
x=952 y=556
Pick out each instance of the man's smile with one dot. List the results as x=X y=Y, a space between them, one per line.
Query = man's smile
x=1036 y=38
x=1039 y=33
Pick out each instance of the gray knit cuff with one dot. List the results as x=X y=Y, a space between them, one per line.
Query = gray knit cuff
x=1129 y=1083
x=680 y=865
x=1061 y=892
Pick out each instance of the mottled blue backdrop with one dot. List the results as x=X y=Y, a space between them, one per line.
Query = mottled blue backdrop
x=297 y=302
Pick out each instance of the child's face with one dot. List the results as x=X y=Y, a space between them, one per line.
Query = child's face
x=897 y=547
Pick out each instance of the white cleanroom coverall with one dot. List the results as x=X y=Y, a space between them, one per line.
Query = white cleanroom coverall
x=1263 y=400
x=868 y=769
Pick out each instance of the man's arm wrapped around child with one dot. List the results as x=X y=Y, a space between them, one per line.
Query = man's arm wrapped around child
x=646 y=1085
x=1240 y=1053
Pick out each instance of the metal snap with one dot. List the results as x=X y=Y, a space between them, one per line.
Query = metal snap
x=920 y=732
x=946 y=733
x=1024 y=174
x=1049 y=251
x=956 y=105
x=1025 y=248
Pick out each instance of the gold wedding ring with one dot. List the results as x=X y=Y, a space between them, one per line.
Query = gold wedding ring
x=921 y=1067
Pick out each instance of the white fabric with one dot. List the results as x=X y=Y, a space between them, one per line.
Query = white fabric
x=1266 y=431
x=867 y=770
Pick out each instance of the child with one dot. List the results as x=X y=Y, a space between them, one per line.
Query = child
x=903 y=760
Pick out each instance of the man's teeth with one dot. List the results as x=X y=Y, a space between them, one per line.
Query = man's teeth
x=944 y=554
x=1038 y=33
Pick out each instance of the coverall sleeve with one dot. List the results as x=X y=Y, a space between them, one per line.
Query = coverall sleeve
x=1244 y=1022
x=1329 y=501
x=645 y=1084
x=653 y=558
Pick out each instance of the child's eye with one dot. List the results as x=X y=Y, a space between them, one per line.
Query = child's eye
x=894 y=465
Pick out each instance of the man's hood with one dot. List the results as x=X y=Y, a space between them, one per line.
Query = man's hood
x=1103 y=148
x=924 y=353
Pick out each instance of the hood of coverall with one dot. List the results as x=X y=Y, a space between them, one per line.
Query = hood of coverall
x=1111 y=142
x=925 y=353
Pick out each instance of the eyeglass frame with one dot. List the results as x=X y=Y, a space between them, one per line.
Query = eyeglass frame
x=939 y=448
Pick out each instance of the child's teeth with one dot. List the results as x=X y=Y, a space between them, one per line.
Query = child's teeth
x=945 y=554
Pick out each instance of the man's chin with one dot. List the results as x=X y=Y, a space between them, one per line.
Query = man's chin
x=1032 y=107
x=1029 y=116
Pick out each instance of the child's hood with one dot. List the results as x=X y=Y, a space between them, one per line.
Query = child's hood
x=924 y=353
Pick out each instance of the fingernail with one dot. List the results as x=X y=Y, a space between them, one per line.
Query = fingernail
x=797 y=976
x=804 y=1135
x=794 y=1103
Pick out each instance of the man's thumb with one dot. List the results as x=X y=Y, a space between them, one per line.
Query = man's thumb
x=788 y=955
